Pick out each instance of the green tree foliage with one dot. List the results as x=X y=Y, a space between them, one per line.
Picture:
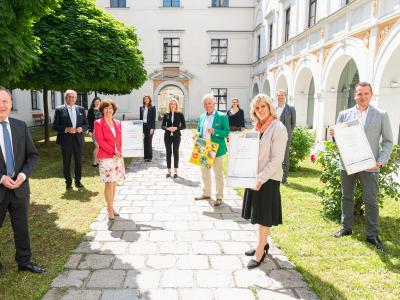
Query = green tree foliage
x=302 y=141
x=85 y=49
x=19 y=49
x=331 y=193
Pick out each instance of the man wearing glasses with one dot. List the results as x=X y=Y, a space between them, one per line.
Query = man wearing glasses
x=70 y=122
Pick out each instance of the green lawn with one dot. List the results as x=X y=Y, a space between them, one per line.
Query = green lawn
x=58 y=221
x=346 y=268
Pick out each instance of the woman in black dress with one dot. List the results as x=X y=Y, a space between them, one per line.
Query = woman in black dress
x=93 y=115
x=148 y=115
x=236 y=116
x=262 y=205
x=173 y=122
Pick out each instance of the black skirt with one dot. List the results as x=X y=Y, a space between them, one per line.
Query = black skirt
x=264 y=206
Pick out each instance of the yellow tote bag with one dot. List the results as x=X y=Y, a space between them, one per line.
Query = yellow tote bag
x=204 y=153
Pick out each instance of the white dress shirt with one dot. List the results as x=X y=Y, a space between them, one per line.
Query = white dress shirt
x=279 y=110
x=208 y=122
x=362 y=116
x=3 y=150
x=145 y=111
x=72 y=114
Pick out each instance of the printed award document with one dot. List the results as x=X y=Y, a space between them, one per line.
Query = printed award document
x=354 y=148
x=243 y=159
x=132 y=138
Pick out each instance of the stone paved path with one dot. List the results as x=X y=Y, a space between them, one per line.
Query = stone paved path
x=167 y=246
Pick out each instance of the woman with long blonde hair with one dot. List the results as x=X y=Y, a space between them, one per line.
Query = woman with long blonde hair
x=262 y=205
x=173 y=122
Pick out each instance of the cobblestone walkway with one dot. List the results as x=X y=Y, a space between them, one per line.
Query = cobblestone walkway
x=167 y=246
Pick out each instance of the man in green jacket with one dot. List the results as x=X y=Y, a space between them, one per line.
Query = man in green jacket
x=213 y=125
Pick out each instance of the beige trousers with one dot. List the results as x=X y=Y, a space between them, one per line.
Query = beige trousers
x=219 y=178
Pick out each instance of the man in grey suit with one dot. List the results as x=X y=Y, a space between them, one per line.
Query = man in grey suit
x=287 y=115
x=376 y=126
x=18 y=157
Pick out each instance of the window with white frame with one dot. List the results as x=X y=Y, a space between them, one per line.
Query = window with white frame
x=34 y=100
x=118 y=3
x=171 y=50
x=258 y=46
x=270 y=36
x=53 y=99
x=219 y=51
x=312 y=13
x=171 y=3
x=287 y=24
x=82 y=99
x=220 y=95
x=220 y=3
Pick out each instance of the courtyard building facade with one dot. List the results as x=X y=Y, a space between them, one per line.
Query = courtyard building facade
x=315 y=50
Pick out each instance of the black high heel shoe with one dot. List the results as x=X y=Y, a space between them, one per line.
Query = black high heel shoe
x=254 y=264
x=253 y=251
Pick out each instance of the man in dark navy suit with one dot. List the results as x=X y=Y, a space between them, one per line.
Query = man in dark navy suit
x=70 y=122
x=18 y=157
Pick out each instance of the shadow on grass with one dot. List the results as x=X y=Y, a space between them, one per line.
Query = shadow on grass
x=302 y=188
x=50 y=245
x=320 y=286
x=305 y=172
x=390 y=236
x=82 y=195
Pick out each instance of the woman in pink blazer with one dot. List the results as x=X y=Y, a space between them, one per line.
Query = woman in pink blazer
x=107 y=132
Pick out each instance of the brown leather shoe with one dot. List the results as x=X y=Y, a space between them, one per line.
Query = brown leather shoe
x=218 y=202
x=202 y=197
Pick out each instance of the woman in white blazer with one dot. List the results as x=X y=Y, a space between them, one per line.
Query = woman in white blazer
x=262 y=205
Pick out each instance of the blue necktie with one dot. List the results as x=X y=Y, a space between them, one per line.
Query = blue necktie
x=8 y=149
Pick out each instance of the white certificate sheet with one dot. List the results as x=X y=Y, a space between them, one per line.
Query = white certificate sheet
x=132 y=138
x=354 y=147
x=243 y=159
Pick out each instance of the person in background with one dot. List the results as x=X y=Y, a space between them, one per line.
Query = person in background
x=107 y=133
x=70 y=122
x=173 y=122
x=287 y=115
x=262 y=205
x=17 y=160
x=93 y=115
x=148 y=116
x=213 y=125
x=236 y=116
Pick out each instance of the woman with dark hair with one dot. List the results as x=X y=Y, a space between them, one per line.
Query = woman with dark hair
x=111 y=164
x=93 y=115
x=148 y=116
x=236 y=116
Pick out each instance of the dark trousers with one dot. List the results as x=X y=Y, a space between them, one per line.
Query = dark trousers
x=369 y=186
x=172 y=141
x=147 y=142
x=286 y=162
x=69 y=149
x=18 y=210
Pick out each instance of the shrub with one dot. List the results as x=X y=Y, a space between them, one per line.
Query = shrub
x=331 y=193
x=302 y=142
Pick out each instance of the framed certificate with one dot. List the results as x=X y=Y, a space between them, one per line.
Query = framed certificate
x=132 y=138
x=243 y=159
x=354 y=147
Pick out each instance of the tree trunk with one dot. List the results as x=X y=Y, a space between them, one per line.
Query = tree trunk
x=46 y=115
